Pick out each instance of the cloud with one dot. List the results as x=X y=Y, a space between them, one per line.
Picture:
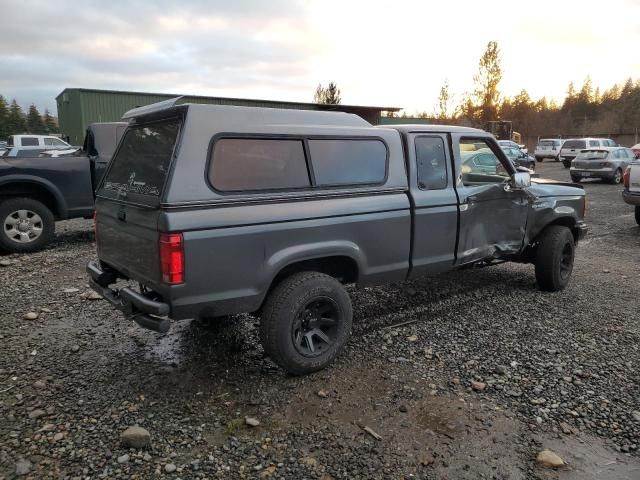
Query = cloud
x=379 y=52
x=202 y=47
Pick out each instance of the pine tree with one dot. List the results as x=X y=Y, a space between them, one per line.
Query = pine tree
x=50 y=124
x=16 y=122
x=329 y=95
x=4 y=113
x=34 y=121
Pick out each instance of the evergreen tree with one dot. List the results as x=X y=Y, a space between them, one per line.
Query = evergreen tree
x=50 y=124
x=34 y=121
x=4 y=113
x=329 y=95
x=16 y=122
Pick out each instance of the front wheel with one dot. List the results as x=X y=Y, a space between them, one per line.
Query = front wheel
x=575 y=179
x=26 y=225
x=638 y=215
x=566 y=163
x=539 y=159
x=306 y=321
x=554 y=258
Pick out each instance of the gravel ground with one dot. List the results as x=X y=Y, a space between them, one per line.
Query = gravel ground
x=466 y=375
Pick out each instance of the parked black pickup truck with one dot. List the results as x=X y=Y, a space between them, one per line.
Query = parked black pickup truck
x=217 y=210
x=38 y=190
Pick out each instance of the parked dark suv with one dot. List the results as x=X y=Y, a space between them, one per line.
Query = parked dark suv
x=211 y=211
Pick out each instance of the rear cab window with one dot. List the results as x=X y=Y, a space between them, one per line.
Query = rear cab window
x=29 y=142
x=140 y=166
x=575 y=144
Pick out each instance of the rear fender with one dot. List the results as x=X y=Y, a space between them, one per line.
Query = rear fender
x=23 y=185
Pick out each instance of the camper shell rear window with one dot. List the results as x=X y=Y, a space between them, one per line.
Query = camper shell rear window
x=141 y=163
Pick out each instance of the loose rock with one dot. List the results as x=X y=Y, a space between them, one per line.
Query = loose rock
x=478 y=386
x=30 y=316
x=23 y=467
x=170 y=468
x=549 y=459
x=123 y=458
x=252 y=422
x=135 y=437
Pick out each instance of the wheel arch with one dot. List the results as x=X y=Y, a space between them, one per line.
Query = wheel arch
x=36 y=188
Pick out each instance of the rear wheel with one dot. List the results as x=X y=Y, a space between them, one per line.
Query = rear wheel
x=566 y=163
x=638 y=215
x=306 y=321
x=554 y=258
x=617 y=177
x=26 y=225
x=539 y=159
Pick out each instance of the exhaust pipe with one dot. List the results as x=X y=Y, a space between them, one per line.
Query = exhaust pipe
x=160 y=325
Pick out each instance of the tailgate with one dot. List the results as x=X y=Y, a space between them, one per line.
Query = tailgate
x=127 y=240
x=634 y=178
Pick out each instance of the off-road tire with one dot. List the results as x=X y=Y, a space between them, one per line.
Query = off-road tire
x=617 y=177
x=638 y=215
x=552 y=271
x=8 y=206
x=575 y=179
x=282 y=308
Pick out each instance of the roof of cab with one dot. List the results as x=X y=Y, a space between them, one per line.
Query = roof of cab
x=254 y=115
x=409 y=128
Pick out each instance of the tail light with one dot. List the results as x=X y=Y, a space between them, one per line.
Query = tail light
x=626 y=176
x=172 y=258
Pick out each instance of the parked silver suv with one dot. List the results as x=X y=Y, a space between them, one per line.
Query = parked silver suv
x=548 y=148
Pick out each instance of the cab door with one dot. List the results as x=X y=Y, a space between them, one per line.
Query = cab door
x=493 y=216
x=435 y=205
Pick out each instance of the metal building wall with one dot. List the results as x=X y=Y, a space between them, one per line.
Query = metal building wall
x=78 y=107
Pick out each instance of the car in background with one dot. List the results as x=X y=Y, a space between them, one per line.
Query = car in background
x=22 y=152
x=573 y=146
x=519 y=158
x=482 y=161
x=39 y=141
x=631 y=192
x=512 y=144
x=636 y=150
x=605 y=163
x=548 y=148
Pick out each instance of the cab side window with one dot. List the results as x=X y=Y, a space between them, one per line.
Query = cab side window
x=431 y=163
x=594 y=143
x=479 y=165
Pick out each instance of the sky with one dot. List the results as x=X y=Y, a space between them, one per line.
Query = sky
x=384 y=53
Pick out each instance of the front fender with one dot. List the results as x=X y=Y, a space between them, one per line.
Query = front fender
x=49 y=187
x=547 y=211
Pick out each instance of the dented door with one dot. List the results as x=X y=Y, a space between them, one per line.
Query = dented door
x=493 y=217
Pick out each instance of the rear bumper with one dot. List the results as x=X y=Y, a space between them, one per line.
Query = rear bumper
x=145 y=311
x=545 y=154
x=606 y=173
x=632 y=198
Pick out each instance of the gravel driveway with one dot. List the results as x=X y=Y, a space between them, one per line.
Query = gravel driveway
x=466 y=375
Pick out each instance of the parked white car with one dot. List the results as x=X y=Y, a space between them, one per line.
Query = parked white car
x=39 y=141
x=548 y=148
x=573 y=146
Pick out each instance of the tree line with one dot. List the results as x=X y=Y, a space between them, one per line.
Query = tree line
x=13 y=120
x=584 y=111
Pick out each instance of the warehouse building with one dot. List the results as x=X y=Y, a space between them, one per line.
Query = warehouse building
x=80 y=107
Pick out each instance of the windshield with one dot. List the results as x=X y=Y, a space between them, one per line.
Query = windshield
x=142 y=161
x=593 y=155
x=575 y=144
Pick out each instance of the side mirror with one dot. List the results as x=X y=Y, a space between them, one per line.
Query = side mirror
x=520 y=180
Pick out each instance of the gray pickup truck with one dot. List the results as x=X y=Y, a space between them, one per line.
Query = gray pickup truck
x=208 y=211
x=39 y=187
